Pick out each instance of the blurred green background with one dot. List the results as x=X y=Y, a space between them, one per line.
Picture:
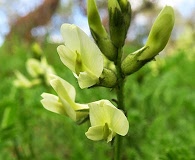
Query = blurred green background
x=160 y=100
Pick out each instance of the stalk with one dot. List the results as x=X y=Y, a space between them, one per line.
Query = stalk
x=120 y=101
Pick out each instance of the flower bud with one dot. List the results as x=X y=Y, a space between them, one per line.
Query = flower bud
x=159 y=34
x=38 y=52
x=131 y=63
x=119 y=20
x=108 y=78
x=98 y=31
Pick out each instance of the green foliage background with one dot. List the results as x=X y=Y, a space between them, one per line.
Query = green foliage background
x=161 y=110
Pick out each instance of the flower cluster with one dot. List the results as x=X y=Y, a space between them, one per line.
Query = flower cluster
x=38 y=69
x=82 y=56
x=102 y=63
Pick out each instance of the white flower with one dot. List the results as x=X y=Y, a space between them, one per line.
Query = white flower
x=81 y=55
x=106 y=121
x=65 y=102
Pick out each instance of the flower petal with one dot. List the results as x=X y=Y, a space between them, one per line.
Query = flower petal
x=69 y=108
x=119 y=122
x=91 y=55
x=63 y=88
x=86 y=80
x=99 y=114
x=67 y=57
x=95 y=133
x=52 y=103
x=70 y=36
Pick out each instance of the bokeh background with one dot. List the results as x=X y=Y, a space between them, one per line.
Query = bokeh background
x=160 y=97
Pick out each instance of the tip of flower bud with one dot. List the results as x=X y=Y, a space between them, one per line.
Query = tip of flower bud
x=119 y=20
x=98 y=31
x=159 y=34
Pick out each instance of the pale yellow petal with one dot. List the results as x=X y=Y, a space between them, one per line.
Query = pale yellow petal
x=63 y=88
x=91 y=56
x=95 y=133
x=52 y=103
x=67 y=57
x=86 y=80
x=70 y=36
x=69 y=108
x=99 y=112
x=119 y=122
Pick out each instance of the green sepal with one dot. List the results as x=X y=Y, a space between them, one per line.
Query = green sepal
x=131 y=64
x=107 y=79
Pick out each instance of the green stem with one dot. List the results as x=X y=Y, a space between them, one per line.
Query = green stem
x=117 y=147
x=120 y=84
x=120 y=100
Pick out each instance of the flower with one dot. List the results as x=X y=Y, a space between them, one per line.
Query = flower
x=106 y=121
x=34 y=68
x=52 y=103
x=64 y=103
x=24 y=82
x=38 y=69
x=81 y=55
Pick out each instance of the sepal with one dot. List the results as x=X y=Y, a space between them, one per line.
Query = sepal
x=131 y=63
x=107 y=79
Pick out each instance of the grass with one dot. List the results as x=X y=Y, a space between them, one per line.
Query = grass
x=160 y=101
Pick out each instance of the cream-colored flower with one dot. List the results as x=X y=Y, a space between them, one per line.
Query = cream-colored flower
x=38 y=68
x=34 y=68
x=81 y=55
x=65 y=102
x=24 y=82
x=106 y=121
